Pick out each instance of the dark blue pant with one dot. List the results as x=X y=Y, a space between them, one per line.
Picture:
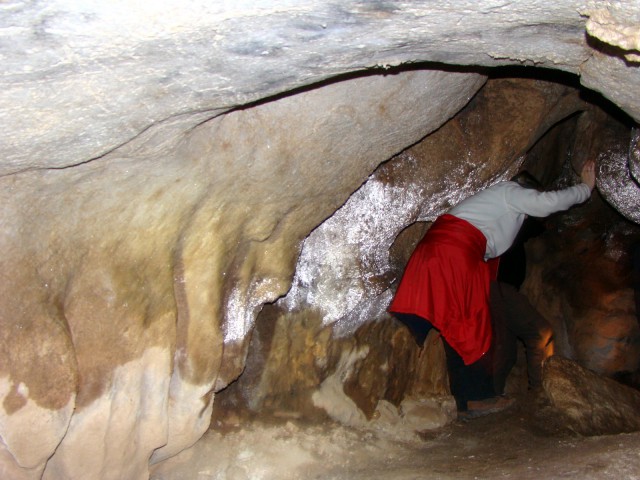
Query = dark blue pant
x=514 y=317
x=467 y=382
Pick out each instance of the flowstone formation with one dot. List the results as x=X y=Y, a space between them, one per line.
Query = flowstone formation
x=163 y=162
x=152 y=312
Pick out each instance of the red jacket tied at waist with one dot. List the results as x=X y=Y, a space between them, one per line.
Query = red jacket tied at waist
x=447 y=283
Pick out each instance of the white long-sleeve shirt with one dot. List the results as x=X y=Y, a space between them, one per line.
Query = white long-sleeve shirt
x=499 y=211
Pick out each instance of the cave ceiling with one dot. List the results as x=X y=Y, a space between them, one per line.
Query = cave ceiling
x=123 y=68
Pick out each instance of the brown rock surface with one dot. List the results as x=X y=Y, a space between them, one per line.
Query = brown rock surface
x=579 y=270
x=132 y=282
x=590 y=403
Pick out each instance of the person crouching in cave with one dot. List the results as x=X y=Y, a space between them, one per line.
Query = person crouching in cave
x=445 y=284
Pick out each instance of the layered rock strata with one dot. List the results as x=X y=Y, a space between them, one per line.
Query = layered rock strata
x=131 y=282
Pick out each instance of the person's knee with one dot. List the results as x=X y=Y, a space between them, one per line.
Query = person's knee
x=546 y=340
x=546 y=334
x=540 y=339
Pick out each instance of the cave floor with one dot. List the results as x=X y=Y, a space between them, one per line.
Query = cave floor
x=521 y=443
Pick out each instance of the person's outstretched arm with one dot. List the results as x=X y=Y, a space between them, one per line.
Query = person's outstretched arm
x=541 y=204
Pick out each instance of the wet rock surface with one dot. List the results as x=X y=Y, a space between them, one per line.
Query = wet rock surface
x=131 y=283
x=335 y=310
x=580 y=278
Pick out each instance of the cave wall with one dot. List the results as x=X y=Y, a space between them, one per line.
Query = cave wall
x=580 y=270
x=157 y=184
x=150 y=314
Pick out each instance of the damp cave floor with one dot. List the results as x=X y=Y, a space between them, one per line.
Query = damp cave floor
x=521 y=443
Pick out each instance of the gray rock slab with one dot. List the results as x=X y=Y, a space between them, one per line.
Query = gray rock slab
x=78 y=79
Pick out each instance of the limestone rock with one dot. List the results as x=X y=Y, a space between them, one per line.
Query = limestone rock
x=591 y=404
x=162 y=163
x=332 y=329
x=615 y=177
x=634 y=155
x=586 y=295
x=122 y=68
x=616 y=27
x=171 y=245
x=578 y=271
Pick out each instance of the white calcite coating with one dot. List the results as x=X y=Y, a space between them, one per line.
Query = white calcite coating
x=616 y=183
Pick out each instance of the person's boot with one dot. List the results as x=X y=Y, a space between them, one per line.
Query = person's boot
x=480 y=408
